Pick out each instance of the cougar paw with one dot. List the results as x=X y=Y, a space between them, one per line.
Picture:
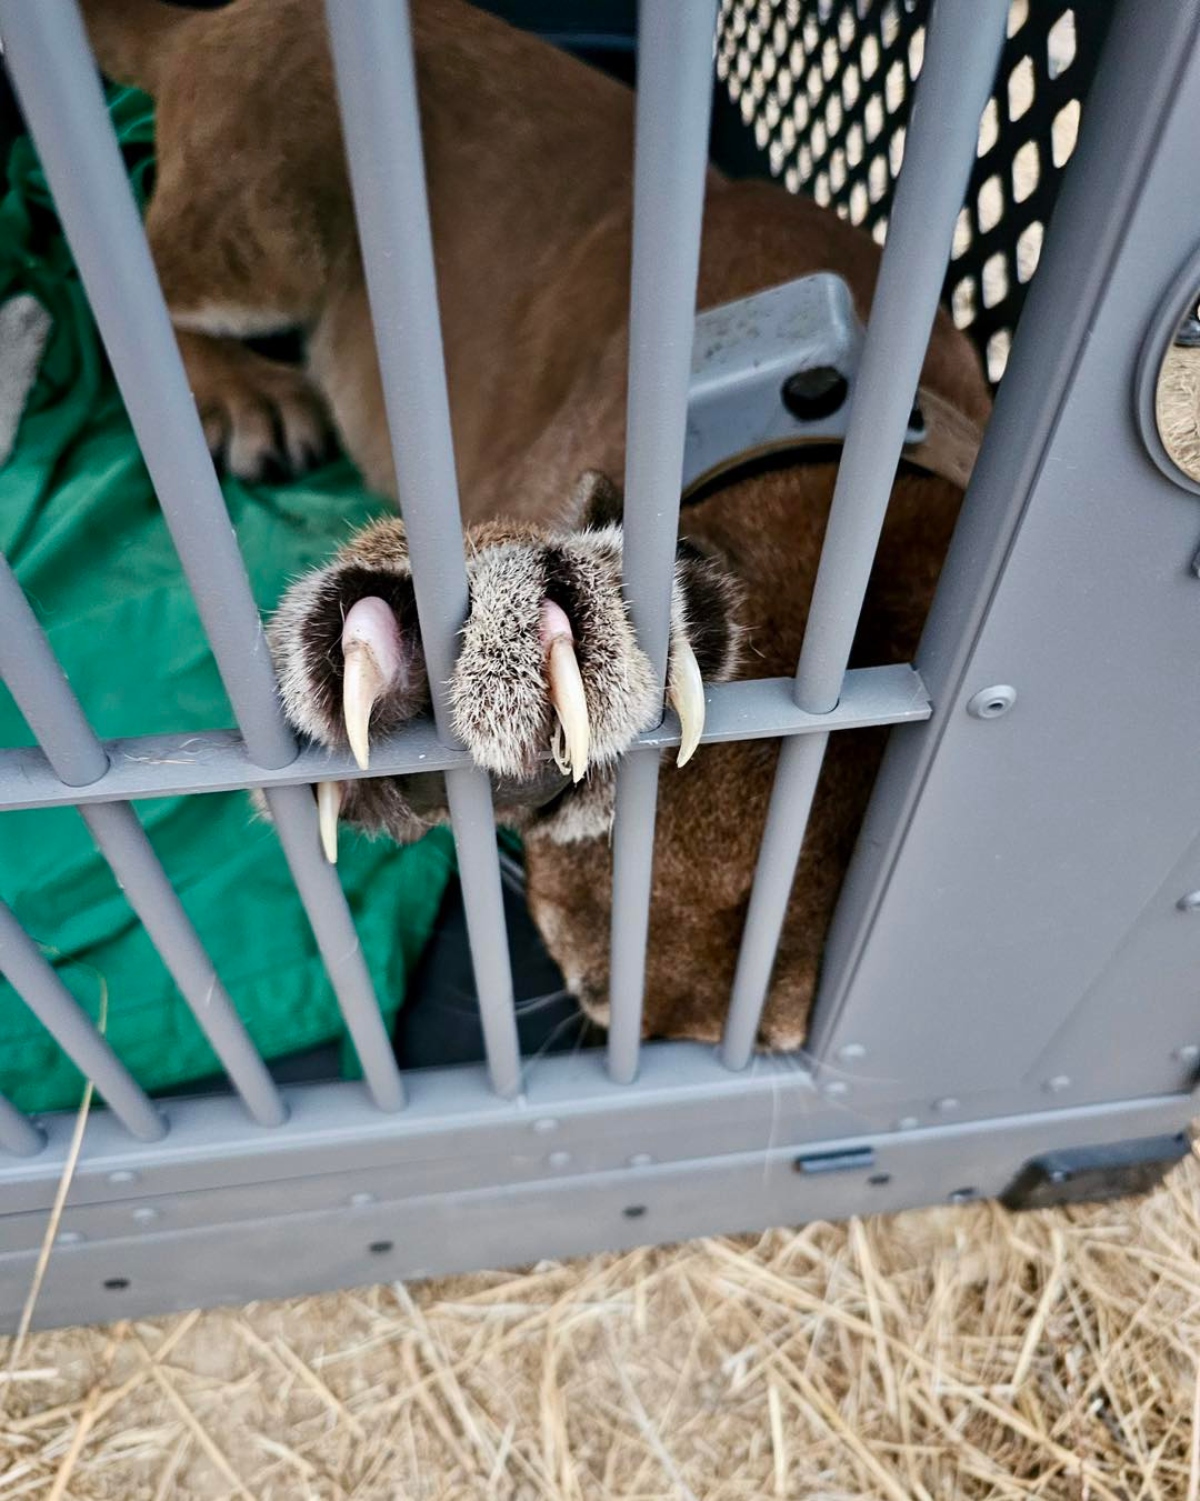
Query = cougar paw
x=550 y=661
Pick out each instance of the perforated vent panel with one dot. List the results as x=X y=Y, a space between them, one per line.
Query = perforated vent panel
x=825 y=87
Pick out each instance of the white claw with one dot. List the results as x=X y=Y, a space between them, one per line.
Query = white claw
x=360 y=688
x=372 y=661
x=570 y=704
x=687 y=698
x=329 y=805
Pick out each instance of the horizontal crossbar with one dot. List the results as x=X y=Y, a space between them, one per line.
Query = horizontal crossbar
x=344 y=1193
x=218 y=761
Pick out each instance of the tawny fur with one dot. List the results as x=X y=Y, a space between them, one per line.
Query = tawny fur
x=529 y=158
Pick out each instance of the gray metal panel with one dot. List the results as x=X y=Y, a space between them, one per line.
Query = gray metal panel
x=963 y=46
x=17 y=1134
x=457 y=1134
x=48 y=57
x=356 y=1227
x=1069 y=578
x=167 y=765
x=377 y=91
x=33 y=979
x=674 y=102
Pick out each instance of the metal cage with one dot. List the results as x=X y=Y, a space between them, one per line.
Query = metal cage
x=1007 y=1002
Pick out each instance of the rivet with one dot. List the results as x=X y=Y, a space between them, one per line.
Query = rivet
x=1058 y=1083
x=1190 y=902
x=852 y=1052
x=123 y=1175
x=963 y=1195
x=1188 y=1053
x=812 y=394
x=641 y=1159
x=559 y=1159
x=545 y=1125
x=145 y=1213
x=908 y=1123
x=70 y=1237
x=991 y=703
x=946 y=1106
x=835 y=1089
x=356 y=1201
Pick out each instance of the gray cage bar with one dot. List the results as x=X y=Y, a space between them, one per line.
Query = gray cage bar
x=18 y=1135
x=963 y=47
x=674 y=101
x=217 y=761
x=31 y=672
x=50 y=62
x=377 y=91
x=34 y=980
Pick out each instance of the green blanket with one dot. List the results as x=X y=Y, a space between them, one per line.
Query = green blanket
x=80 y=525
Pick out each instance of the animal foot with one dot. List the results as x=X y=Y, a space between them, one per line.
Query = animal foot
x=262 y=419
x=550 y=683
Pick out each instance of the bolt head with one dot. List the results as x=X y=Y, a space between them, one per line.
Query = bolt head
x=1189 y=902
x=559 y=1159
x=1058 y=1083
x=545 y=1125
x=946 y=1106
x=836 y=1089
x=1188 y=1053
x=993 y=702
x=852 y=1052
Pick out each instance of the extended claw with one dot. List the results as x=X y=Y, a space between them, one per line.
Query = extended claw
x=572 y=740
x=687 y=698
x=372 y=661
x=329 y=805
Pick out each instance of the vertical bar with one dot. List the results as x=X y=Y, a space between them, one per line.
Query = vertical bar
x=964 y=41
x=377 y=92
x=674 y=102
x=32 y=977
x=633 y=869
x=17 y=1134
x=470 y=796
x=48 y=58
x=31 y=671
x=294 y=813
x=124 y=844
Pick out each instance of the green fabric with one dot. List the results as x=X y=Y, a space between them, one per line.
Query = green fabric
x=80 y=525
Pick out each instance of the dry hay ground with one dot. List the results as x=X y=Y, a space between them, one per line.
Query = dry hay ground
x=963 y=1354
